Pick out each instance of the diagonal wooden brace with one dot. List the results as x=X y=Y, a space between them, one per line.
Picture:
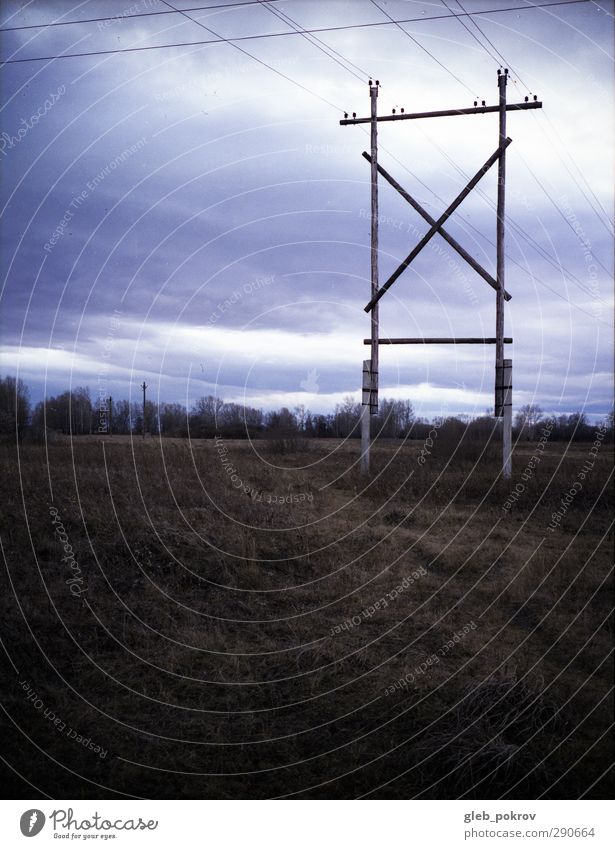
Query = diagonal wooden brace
x=437 y=224
x=444 y=233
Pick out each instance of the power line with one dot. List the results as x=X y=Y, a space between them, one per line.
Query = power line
x=134 y=15
x=520 y=231
x=221 y=40
x=556 y=206
x=318 y=43
x=492 y=243
x=418 y=44
x=232 y=40
x=255 y=58
x=471 y=32
x=608 y=225
x=486 y=37
x=518 y=227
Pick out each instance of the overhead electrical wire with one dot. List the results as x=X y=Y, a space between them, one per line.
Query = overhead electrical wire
x=607 y=225
x=134 y=15
x=252 y=56
x=487 y=39
x=294 y=23
x=471 y=32
x=318 y=43
x=605 y=216
x=418 y=44
x=520 y=230
x=557 y=207
x=221 y=40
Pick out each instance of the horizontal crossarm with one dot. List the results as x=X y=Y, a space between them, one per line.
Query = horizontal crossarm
x=459 y=340
x=445 y=113
x=434 y=228
x=444 y=233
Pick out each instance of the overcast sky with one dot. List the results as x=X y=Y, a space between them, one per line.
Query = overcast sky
x=195 y=216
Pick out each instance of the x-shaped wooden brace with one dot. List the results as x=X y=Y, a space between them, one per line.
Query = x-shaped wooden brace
x=436 y=226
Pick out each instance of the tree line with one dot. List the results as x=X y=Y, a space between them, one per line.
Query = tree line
x=74 y=412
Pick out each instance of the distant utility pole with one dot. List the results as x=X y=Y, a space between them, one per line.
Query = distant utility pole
x=143 y=387
x=110 y=414
x=503 y=367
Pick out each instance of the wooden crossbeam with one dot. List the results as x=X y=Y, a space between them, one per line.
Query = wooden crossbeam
x=434 y=228
x=450 y=340
x=445 y=113
x=444 y=233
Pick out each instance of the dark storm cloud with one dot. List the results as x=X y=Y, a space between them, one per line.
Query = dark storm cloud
x=222 y=212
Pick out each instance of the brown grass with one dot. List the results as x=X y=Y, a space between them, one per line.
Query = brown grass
x=206 y=655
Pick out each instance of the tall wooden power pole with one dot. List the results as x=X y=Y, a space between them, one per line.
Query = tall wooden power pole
x=143 y=387
x=503 y=367
x=370 y=380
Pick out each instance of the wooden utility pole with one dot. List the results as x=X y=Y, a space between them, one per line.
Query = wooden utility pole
x=499 y=296
x=503 y=401
x=503 y=367
x=371 y=407
x=143 y=387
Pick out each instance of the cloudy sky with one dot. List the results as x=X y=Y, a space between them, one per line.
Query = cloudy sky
x=195 y=215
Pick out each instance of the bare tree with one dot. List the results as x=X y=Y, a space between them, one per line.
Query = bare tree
x=527 y=419
x=14 y=405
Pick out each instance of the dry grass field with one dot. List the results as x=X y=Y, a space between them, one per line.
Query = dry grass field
x=318 y=638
